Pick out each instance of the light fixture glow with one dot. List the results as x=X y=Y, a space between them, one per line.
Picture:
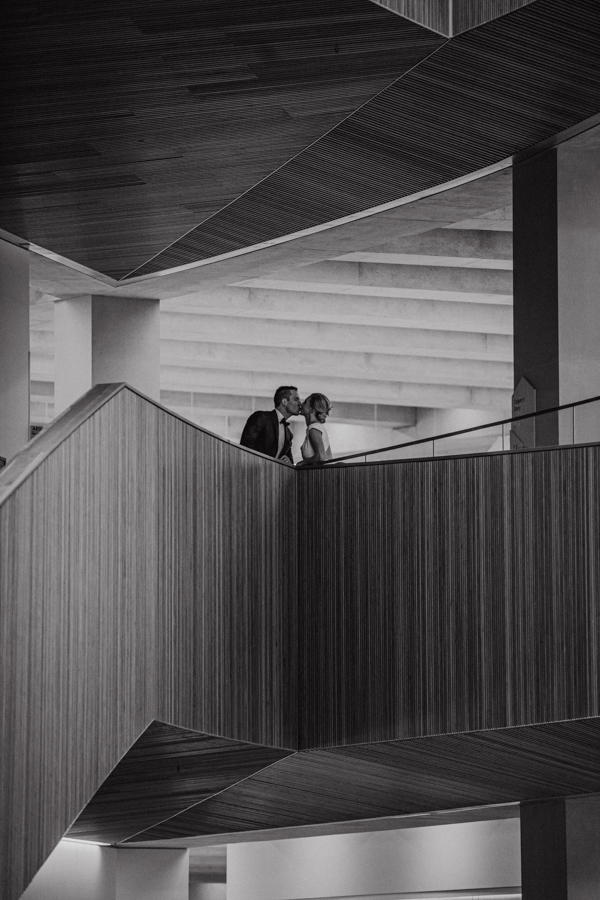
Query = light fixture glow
x=89 y=843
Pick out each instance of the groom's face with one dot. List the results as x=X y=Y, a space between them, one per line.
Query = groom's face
x=292 y=405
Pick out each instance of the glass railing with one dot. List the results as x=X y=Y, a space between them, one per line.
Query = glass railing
x=573 y=423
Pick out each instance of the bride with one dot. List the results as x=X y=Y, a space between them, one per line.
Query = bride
x=315 y=448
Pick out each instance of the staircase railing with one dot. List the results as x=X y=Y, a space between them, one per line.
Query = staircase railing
x=568 y=424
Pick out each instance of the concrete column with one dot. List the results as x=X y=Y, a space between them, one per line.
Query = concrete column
x=560 y=849
x=14 y=349
x=556 y=285
x=105 y=339
x=152 y=874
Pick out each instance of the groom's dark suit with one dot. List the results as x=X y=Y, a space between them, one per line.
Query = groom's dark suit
x=261 y=432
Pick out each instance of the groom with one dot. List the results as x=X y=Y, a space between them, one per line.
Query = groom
x=269 y=432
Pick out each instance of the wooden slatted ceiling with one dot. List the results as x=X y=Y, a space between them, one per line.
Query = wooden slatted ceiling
x=167 y=770
x=467 y=14
x=402 y=778
x=480 y=98
x=126 y=124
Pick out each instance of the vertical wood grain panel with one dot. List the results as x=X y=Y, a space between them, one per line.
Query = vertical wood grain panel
x=434 y=14
x=78 y=626
x=147 y=570
x=459 y=594
x=227 y=588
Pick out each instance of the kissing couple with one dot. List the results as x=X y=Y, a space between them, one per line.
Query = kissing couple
x=269 y=431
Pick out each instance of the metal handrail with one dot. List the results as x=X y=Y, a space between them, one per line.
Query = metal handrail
x=439 y=437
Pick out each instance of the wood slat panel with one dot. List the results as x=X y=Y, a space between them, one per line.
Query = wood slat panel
x=402 y=778
x=142 y=576
x=149 y=570
x=436 y=123
x=434 y=14
x=77 y=627
x=227 y=665
x=461 y=594
x=167 y=770
x=48 y=440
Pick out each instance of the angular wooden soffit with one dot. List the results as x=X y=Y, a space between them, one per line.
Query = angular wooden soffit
x=451 y=17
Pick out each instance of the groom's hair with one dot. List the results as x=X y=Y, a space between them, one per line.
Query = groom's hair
x=283 y=393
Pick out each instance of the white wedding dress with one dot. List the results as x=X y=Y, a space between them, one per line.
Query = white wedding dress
x=307 y=448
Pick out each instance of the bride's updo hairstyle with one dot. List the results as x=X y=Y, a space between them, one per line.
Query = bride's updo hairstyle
x=321 y=406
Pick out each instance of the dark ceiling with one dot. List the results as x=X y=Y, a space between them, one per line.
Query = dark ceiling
x=482 y=97
x=142 y=135
x=127 y=123
x=174 y=784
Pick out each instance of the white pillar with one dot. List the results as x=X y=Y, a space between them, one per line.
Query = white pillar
x=152 y=874
x=14 y=349
x=105 y=339
x=79 y=871
x=75 y=871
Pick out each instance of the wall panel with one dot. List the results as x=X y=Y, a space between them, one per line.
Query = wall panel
x=227 y=588
x=78 y=626
x=142 y=574
x=459 y=594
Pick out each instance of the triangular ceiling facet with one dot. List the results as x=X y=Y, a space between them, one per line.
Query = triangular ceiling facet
x=451 y=17
x=433 y=14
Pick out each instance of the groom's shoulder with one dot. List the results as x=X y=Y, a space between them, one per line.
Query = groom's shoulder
x=256 y=421
x=261 y=414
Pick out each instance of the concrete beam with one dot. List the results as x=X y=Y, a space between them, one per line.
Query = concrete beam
x=427 y=260
x=389 y=274
x=191 y=328
x=439 y=310
x=463 y=242
x=338 y=364
x=350 y=390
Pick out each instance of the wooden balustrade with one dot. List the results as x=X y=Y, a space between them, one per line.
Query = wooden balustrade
x=146 y=572
x=280 y=646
